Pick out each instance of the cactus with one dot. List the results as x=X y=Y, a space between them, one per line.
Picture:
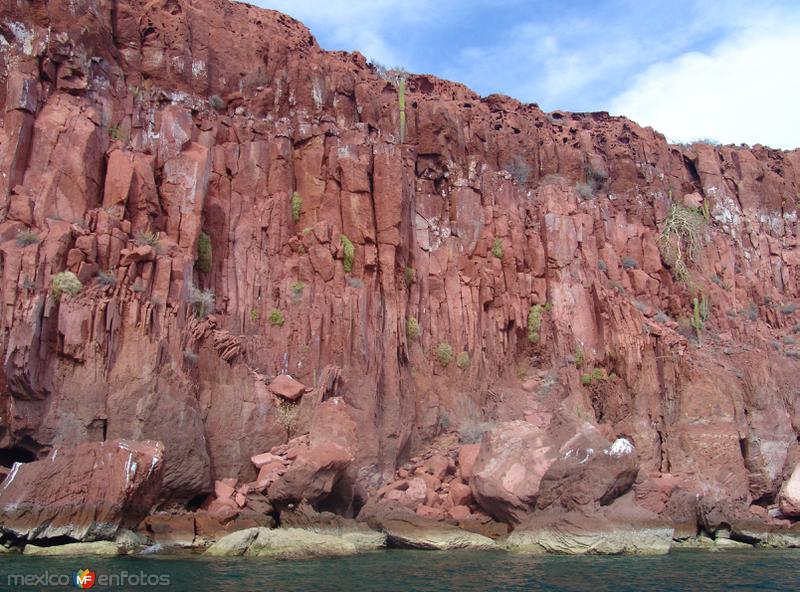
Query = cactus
x=697 y=319
x=401 y=101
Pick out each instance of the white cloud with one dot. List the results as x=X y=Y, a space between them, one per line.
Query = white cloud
x=744 y=90
x=361 y=25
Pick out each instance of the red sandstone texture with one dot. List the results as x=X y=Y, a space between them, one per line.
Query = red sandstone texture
x=402 y=373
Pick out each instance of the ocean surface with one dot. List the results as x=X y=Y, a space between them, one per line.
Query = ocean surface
x=410 y=571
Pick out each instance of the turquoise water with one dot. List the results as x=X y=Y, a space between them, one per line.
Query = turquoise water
x=464 y=571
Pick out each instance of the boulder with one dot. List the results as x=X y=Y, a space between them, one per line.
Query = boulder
x=287 y=387
x=265 y=458
x=85 y=493
x=789 y=496
x=282 y=543
x=312 y=476
x=460 y=494
x=587 y=472
x=467 y=455
x=509 y=468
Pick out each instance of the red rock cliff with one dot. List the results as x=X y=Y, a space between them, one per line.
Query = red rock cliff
x=132 y=131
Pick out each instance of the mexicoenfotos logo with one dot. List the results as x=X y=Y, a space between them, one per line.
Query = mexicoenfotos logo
x=84 y=578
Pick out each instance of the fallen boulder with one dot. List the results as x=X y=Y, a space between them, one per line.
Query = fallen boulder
x=86 y=493
x=312 y=476
x=592 y=472
x=286 y=387
x=509 y=468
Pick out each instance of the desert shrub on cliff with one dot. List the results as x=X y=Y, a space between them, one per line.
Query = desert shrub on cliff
x=286 y=414
x=472 y=432
x=444 y=353
x=412 y=328
x=535 y=322
x=681 y=239
x=349 y=253
x=629 y=263
x=497 y=248
x=276 y=318
x=146 y=238
x=520 y=170
x=26 y=237
x=462 y=361
x=190 y=357
x=297 y=290
x=204 y=253
x=297 y=206
x=201 y=301
x=65 y=282
x=409 y=275
x=216 y=102
x=106 y=279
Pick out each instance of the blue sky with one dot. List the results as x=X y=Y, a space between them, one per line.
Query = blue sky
x=690 y=68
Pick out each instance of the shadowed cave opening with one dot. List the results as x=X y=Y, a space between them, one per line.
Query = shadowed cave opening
x=8 y=456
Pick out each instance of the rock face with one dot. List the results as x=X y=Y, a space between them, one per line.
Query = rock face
x=239 y=205
x=84 y=493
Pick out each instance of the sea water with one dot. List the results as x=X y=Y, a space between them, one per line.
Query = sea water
x=410 y=571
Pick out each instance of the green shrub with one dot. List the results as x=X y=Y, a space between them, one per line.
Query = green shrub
x=201 y=301
x=254 y=315
x=276 y=318
x=26 y=237
x=444 y=353
x=586 y=379
x=497 y=248
x=65 y=282
x=462 y=361
x=204 y=253
x=116 y=134
x=349 y=253
x=409 y=275
x=535 y=322
x=412 y=328
x=578 y=358
x=297 y=206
